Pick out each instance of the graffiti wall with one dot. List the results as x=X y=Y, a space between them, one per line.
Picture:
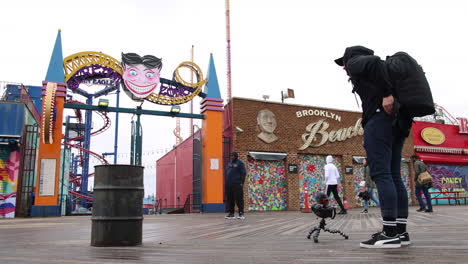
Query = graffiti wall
x=9 y=168
x=312 y=178
x=448 y=178
x=266 y=185
x=359 y=176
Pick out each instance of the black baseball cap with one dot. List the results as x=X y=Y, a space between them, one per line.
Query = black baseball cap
x=351 y=52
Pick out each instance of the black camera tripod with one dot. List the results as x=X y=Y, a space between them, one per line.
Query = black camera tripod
x=322 y=224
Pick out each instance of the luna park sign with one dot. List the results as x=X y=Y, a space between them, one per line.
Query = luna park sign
x=318 y=133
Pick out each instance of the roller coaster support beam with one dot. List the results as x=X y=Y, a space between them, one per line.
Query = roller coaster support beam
x=132 y=144
x=132 y=111
x=139 y=141
x=136 y=144
x=86 y=145
x=63 y=183
x=117 y=86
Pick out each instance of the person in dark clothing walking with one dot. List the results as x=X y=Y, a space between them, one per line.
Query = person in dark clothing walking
x=235 y=178
x=384 y=135
x=420 y=167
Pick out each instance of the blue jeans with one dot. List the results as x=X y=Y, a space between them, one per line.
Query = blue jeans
x=371 y=195
x=383 y=142
x=425 y=191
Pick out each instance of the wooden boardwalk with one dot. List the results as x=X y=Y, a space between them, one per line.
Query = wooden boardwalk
x=270 y=237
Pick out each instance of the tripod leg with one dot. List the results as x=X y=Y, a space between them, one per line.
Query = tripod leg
x=316 y=235
x=334 y=231
x=312 y=231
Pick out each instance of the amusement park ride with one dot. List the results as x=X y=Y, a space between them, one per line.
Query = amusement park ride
x=140 y=78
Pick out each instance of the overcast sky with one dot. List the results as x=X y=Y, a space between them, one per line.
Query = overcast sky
x=275 y=45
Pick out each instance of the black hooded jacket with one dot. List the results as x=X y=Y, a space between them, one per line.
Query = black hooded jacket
x=235 y=172
x=369 y=77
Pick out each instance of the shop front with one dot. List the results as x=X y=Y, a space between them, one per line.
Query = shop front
x=284 y=148
x=444 y=148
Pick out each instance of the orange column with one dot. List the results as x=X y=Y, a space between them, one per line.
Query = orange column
x=212 y=155
x=49 y=162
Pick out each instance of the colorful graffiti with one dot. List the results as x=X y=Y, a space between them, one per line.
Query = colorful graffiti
x=311 y=176
x=448 y=178
x=359 y=176
x=266 y=185
x=8 y=182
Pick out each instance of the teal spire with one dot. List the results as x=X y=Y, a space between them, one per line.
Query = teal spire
x=55 y=72
x=212 y=87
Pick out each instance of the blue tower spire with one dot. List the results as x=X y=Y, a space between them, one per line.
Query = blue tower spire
x=212 y=86
x=55 y=71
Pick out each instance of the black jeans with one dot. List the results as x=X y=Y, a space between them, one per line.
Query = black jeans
x=334 y=189
x=235 y=195
x=383 y=142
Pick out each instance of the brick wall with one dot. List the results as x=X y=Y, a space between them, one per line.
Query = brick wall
x=292 y=121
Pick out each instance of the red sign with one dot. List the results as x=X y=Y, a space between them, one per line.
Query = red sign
x=450 y=151
x=453 y=138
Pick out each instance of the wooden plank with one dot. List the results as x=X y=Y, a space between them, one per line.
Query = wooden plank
x=263 y=237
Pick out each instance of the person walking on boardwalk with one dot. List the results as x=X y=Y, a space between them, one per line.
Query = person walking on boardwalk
x=420 y=167
x=331 y=180
x=235 y=178
x=384 y=136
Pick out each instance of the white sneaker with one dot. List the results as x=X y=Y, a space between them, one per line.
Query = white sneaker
x=380 y=240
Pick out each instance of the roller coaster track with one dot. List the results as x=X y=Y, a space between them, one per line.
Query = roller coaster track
x=76 y=61
x=73 y=178
x=107 y=123
x=77 y=194
x=77 y=180
x=103 y=115
x=99 y=157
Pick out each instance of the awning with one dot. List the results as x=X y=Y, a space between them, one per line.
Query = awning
x=5 y=140
x=451 y=159
x=267 y=155
x=358 y=159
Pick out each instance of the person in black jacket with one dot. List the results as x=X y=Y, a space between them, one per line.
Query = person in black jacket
x=384 y=136
x=235 y=178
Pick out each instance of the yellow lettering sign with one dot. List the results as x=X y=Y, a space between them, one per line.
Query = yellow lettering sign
x=433 y=136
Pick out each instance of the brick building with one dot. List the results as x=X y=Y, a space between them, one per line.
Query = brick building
x=284 y=148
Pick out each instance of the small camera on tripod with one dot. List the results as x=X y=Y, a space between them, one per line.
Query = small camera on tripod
x=322 y=208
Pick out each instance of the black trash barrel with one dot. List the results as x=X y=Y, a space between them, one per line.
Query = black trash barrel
x=118 y=206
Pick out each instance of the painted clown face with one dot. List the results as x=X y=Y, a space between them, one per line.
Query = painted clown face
x=140 y=80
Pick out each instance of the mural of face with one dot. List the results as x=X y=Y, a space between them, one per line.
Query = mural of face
x=141 y=74
x=140 y=80
x=266 y=121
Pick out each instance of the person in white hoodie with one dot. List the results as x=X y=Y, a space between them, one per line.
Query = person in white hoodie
x=331 y=180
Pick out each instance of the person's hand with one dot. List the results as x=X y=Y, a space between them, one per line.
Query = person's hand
x=387 y=104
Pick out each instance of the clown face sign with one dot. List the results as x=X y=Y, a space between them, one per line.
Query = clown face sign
x=141 y=74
